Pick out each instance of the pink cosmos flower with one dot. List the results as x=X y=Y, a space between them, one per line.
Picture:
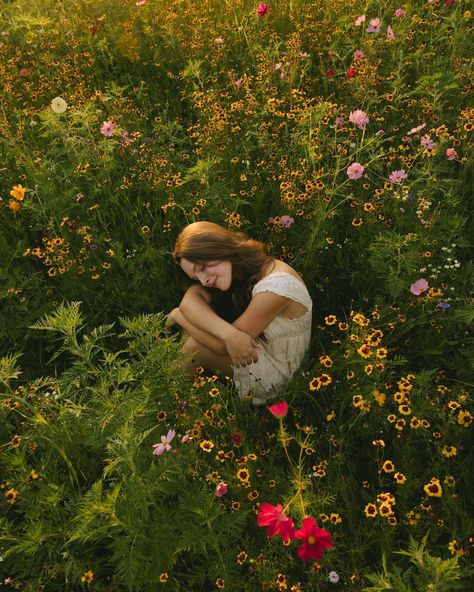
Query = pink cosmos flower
x=374 y=26
x=359 y=20
x=329 y=73
x=339 y=122
x=140 y=2
x=218 y=40
x=164 y=444
x=390 y=33
x=359 y=54
x=398 y=176
x=315 y=540
x=286 y=221
x=399 y=12
x=221 y=489
x=359 y=118
x=416 y=129
x=279 y=410
x=262 y=9
x=108 y=128
x=419 y=286
x=355 y=171
x=277 y=522
x=451 y=153
x=350 y=73
x=427 y=142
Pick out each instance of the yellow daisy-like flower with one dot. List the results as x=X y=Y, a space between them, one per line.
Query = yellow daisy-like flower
x=242 y=557
x=88 y=577
x=449 y=451
x=456 y=549
x=11 y=495
x=206 y=445
x=388 y=467
x=433 y=488
x=164 y=577
x=220 y=583
x=399 y=478
x=243 y=475
x=385 y=509
x=18 y=192
x=464 y=418
x=364 y=351
x=330 y=320
x=370 y=510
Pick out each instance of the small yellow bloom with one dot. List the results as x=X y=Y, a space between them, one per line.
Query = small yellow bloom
x=18 y=192
x=449 y=451
x=433 y=488
x=14 y=206
x=164 y=577
x=88 y=577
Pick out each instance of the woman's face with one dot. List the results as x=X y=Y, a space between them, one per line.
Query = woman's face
x=212 y=274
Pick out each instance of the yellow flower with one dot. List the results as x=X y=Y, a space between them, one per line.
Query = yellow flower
x=370 y=510
x=364 y=351
x=220 y=583
x=456 y=549
x=388 y=467
x=330 y=320
x=433 y=488
x=400 y=478
x=449 y=451
x=18 y=192
x=206 y=445
x=243 y=475
x=164 y=577
x=11 y=496
x=464 y=418
x=88 y=577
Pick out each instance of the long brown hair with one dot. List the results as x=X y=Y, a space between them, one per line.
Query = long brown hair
x=205 y=241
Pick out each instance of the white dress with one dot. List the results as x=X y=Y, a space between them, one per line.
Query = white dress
x=287 y=341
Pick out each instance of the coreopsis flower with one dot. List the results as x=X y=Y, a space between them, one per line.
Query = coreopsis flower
x=359 y=118
x=58 y=105
x=88 y=577
x=164 y=444
x=419 y=286
x=355 y=171
x=108 y=128
x=276 y=521
x=433 y=488
x=370 y=510
x=315 y=540
x=279 y=410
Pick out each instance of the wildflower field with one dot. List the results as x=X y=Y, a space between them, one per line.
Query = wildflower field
x=339 y=133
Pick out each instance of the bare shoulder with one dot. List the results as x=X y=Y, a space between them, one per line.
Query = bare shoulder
x=278 y=265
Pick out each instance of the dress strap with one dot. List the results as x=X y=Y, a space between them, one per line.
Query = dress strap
x=284 y=284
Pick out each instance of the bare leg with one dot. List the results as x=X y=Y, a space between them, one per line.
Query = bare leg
x=205 y=357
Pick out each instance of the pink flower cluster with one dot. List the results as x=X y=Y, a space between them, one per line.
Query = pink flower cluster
x=359 y=118
x=315 y=540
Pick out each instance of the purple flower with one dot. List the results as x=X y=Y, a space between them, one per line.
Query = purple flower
x=164 y=444
x=419 y=286
x=355 y=171
x=108 y=128
x=443 y=305
x=398 y=176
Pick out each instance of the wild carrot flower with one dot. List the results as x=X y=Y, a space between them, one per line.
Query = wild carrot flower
x=315 y=540
x=355 y=171
x=276 y=521
x=164 y=444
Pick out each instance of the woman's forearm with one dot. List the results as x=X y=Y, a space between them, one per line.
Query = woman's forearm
x=197 y=310
x=207 y=339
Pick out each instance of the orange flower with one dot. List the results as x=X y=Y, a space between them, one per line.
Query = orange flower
x=18 y=192
x=14 y=206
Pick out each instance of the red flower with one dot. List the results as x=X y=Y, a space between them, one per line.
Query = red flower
x=262 y=9
x=329 y=73
x=277 y=521
x=351 y=73
x=279 y=410
x=315 y=540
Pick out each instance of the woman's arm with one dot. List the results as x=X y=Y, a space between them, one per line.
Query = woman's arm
x=195 y=307
x=213 y=343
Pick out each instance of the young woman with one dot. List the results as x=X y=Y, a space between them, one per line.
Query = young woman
x=247 y=314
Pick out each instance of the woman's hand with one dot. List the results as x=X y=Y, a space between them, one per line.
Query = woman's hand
x=172 y=319
x=242 y=348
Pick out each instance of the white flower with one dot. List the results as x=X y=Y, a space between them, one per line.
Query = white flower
x=58 y=105
x=333 y=577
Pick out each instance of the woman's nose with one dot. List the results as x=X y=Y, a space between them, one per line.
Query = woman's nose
x=202 y=277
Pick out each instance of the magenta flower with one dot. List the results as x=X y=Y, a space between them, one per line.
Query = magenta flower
x=398 y=176
x=451 y=154
x=374 y=26
x=164 y=444
x=221 y=489
x=108 y=128
x=315 y=540
x=399 y=12
x=359 y=118
x=419 y=286
x=279 y=410
x=355 y=171
x=262 y=9
x=276 y=520
x=286 y=221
